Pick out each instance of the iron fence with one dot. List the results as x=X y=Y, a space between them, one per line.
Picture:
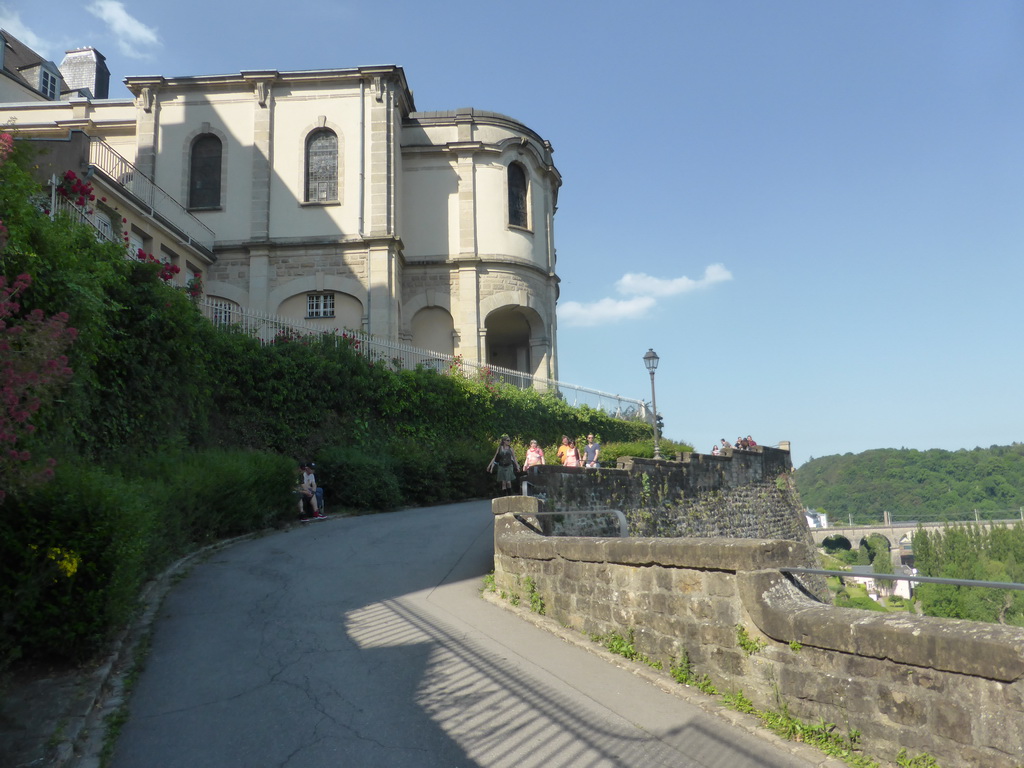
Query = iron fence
x=269 y=329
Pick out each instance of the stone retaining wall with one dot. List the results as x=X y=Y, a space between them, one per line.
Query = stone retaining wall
x=745 y=494
x=950 y=688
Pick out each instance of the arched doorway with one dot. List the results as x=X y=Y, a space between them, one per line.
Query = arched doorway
x=508 y=340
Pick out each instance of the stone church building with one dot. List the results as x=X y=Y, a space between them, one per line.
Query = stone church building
x=332 y=201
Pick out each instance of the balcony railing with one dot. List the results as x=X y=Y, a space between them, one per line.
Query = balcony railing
x=159 y=204
x=79 y=213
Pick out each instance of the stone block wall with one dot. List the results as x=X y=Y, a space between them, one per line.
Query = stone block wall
x=743 y=494
x=953 y=689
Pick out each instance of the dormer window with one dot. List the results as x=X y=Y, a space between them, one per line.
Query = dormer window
x=48 y=84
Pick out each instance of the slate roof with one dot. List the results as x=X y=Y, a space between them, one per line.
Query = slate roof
x=19 y=59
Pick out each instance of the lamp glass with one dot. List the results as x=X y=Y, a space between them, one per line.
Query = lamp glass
x=651 y=359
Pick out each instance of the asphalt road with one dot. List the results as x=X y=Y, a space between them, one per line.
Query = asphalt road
x=364 y=642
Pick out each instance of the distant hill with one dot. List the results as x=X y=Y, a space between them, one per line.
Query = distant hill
x=916 y=485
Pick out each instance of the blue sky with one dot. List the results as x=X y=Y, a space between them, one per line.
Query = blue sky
x=812 y=211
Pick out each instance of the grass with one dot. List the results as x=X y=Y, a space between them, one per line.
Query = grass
x=625 y=646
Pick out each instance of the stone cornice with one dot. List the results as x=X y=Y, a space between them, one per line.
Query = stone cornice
x=245 y=79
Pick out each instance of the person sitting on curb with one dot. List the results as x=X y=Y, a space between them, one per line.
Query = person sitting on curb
x=307 y=491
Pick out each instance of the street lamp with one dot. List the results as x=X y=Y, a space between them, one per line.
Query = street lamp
x=651 y=361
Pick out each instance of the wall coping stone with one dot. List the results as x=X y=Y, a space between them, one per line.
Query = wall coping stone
x=783 y=613
x=719 y=554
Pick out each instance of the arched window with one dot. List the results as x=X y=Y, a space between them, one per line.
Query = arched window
x=322 y=166
x=517 y=198
x=204 y=172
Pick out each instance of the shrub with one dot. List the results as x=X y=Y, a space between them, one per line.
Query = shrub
x=358 y=478
x=422 y=472
x=207 y=495
x=73 y=554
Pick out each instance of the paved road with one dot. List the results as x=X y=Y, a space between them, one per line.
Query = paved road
x=364 y=642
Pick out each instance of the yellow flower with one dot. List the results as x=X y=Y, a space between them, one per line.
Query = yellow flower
x=66 y=559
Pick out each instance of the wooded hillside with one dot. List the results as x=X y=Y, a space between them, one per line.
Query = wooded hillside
x=933 y=485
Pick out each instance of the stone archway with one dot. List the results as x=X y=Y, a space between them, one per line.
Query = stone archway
x=508 y=339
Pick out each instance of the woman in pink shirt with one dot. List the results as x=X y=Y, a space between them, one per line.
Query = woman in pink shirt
x=534 y=455
x=572 y=456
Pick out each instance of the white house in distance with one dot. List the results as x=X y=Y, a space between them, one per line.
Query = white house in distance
x=332 y=201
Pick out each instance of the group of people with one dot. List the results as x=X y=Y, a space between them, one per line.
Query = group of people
x=568 y=455
x=310 y=494
x=741 y=444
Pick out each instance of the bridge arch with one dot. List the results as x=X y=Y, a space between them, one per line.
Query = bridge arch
x=836 y=542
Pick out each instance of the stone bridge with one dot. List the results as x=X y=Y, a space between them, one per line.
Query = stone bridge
x=899 y=535
x=715 y=596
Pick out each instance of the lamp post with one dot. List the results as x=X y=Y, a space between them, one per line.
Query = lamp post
x=651 y=361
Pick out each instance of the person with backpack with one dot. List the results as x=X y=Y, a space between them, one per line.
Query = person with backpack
x=505 y=462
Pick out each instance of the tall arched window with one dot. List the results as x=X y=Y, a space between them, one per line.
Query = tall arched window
x=204 y=172
x=518 y=212
x=322 y=166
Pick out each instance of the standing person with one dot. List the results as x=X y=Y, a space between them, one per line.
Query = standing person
x=534 y=456
x=591 y=451
x=505 y=460
x=572 y=455
x=563 y=449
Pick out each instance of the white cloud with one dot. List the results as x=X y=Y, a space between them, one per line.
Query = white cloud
x=134 y=39
x=645 y=291
x=11 y=21
x=573 y=313
x=639 y=284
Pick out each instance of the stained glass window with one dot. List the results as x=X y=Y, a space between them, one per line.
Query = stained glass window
x=322 y=166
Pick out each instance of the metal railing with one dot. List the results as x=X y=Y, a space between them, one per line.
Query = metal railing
x=151 y=196
x=913 y=579
x=78 y=214
x=269 y=329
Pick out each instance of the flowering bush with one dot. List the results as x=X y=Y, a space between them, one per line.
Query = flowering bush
x=194 y=287
x=75 y=189
x=31 y=369
x=6 y=146
x=167 y=270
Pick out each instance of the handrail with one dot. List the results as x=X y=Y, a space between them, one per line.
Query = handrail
x=922 y=579
x=144 y=189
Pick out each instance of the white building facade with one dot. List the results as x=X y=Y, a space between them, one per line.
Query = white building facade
x=332 y=201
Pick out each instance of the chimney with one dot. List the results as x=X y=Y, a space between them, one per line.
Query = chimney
x=86 y=69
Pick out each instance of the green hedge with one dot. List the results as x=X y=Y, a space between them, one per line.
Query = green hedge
x=75 y=552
